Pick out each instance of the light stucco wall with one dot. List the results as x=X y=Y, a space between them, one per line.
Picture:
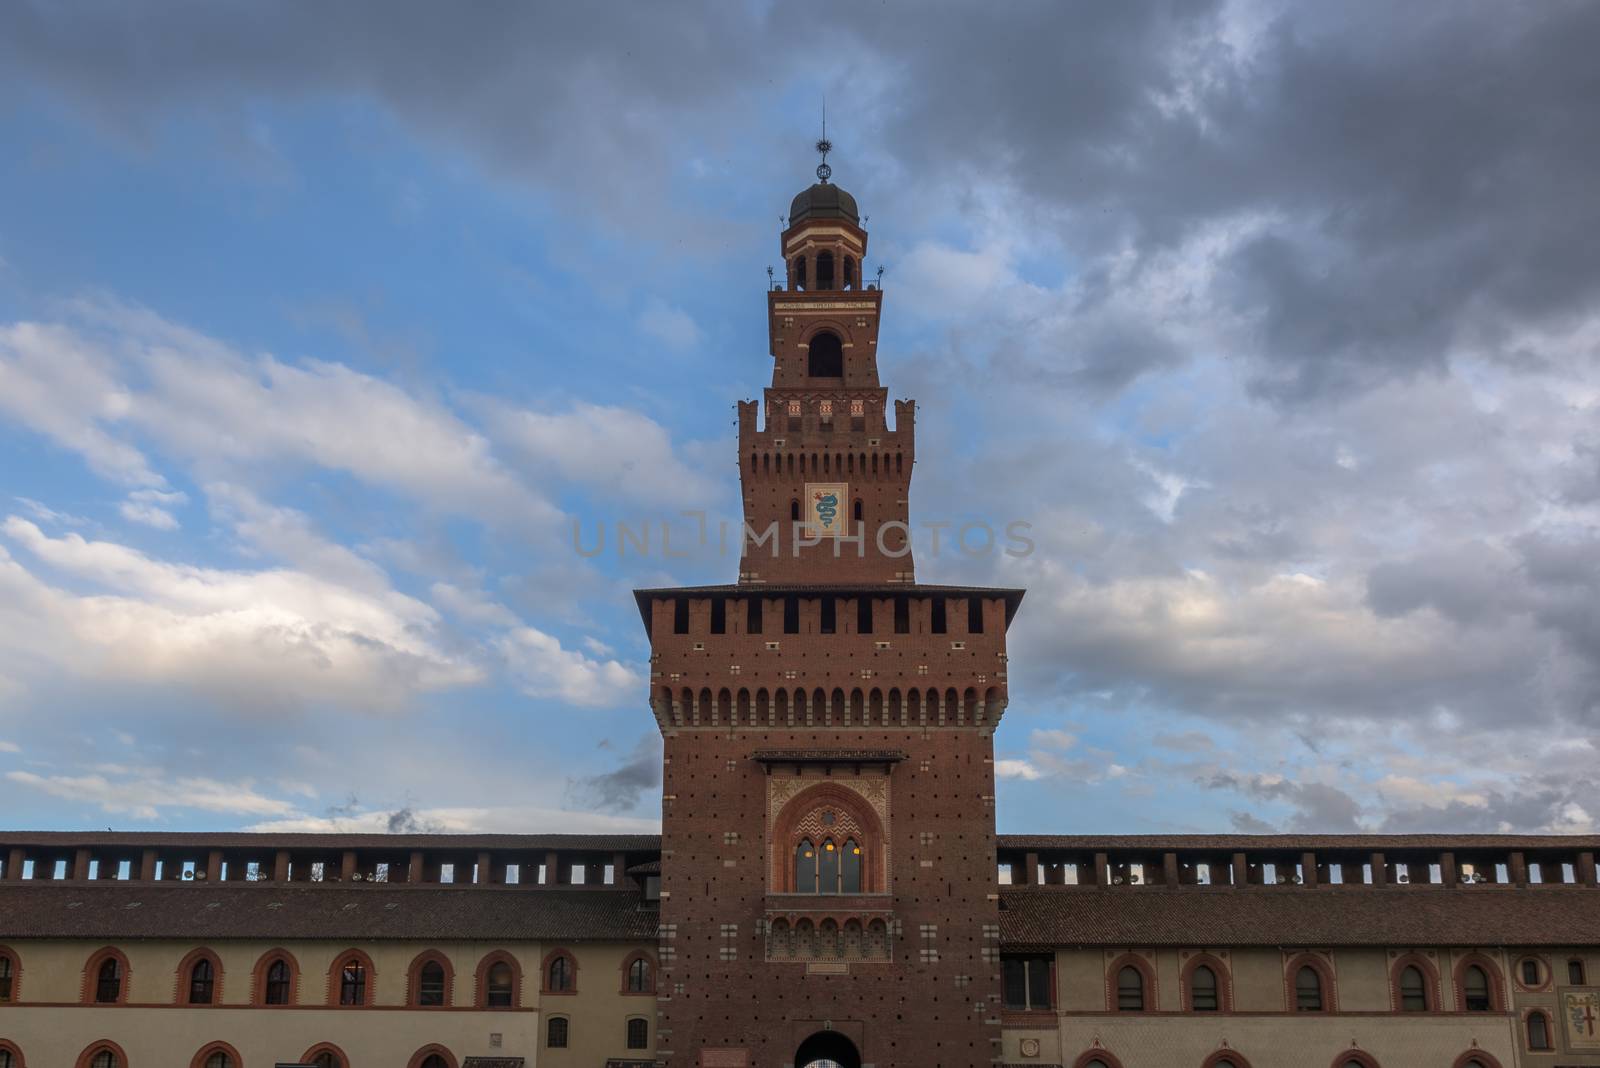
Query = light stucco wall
x=52 y=1028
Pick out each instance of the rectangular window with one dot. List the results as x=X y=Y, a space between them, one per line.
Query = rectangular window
x=1575 y=972
x=830 y=614
x=974 y=615
x=864 y=615
x=719 y=616
x=753 y=616
x=1026 y=982
x=680 y=615
x=939 y=618
x=902 y=615
x=791 y=615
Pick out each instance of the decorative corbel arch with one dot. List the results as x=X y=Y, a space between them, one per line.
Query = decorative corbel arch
x=258 y=978
x=1478 y=1056
x=1324 y=969
x=1497 y=986
x=433 y=1049
x=414 y=979
x=182 y=986
x=1104 y=1056
x=1219 y=968
x=334 y=977
x=480 y=989
x=1145 y=969
x=91 y=976
x=544 y=971
x=104 y=1045
x=325 y=1047
x=627 y=968
x=788 y=826
x=1430 y=979
x=211 y=1048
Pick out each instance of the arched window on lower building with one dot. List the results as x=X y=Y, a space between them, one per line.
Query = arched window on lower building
x=638 y=1034
x=1539 y=1031
x=434 y=1060
x=8 y=981
x=1203 y=995
x=352 y=982
x=1413 y=990
x=499 y=985
x=560 y=975
x=10 y=1056
x=640 y=977
x=1130 y=989
x=219 y=1059
x=279 y=984
x=1307 y=990
x=327 y=1057
x=105 y=1058
x=430 y=984
x=555 y=1036
x=850 y=868
x=202 y=982
x=108 y=982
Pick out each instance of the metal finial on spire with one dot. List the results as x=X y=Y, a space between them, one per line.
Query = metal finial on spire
x=824 y=146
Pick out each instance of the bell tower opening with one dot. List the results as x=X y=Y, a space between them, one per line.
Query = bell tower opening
x=824 y=270
x=825 y=356
x=827 y=1049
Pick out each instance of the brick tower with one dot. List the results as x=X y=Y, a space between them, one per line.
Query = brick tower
x=828 y=876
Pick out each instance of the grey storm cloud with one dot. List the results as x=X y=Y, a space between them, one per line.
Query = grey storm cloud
x=619 y=790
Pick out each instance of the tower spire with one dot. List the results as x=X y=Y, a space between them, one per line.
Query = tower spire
x=824 y=146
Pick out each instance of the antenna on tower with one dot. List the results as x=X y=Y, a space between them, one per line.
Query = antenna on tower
x=824 y=146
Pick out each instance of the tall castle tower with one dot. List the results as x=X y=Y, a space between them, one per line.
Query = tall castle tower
x=828 y=876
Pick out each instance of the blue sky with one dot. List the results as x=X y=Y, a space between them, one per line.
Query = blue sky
x=316 y=338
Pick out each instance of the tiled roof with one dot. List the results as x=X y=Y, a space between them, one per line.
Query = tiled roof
x=389 y=843
x=373 y=913
x=1258 y=843
x=1301 y=916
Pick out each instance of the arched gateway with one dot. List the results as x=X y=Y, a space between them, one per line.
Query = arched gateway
x=827 y=1049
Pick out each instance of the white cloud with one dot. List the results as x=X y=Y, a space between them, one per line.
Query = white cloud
x=10 y=747
x=1016 y=769
x=149 y=507
x=65 y=386
x=511 y=819
x=148 y=797
x=672 y=326
x=247 y=637
x=608 y=450
x=472 y=606
x=119 y=369
x=545 y=669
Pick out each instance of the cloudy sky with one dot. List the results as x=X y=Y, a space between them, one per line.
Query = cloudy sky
x=321 y=327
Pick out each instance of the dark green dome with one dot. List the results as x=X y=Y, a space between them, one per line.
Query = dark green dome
x=823 y=201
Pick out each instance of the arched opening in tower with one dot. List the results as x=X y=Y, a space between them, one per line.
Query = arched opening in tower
x=824 y=270
x=826 y=358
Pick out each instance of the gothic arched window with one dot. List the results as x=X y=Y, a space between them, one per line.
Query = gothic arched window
x=805 y=868
x=799 y=272
x=353 y=983
x=202 y=982
x=828 y=868
x=1538 y=1031
x=1203 y=990
x=1475 y=990
x=108 y=982
x=1413 y=990
x=639 y=976
x=1307 y=990
x=499 y=985
x=278 y=982
x=430 y=983
x=850 y=868
x=1130 y=990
